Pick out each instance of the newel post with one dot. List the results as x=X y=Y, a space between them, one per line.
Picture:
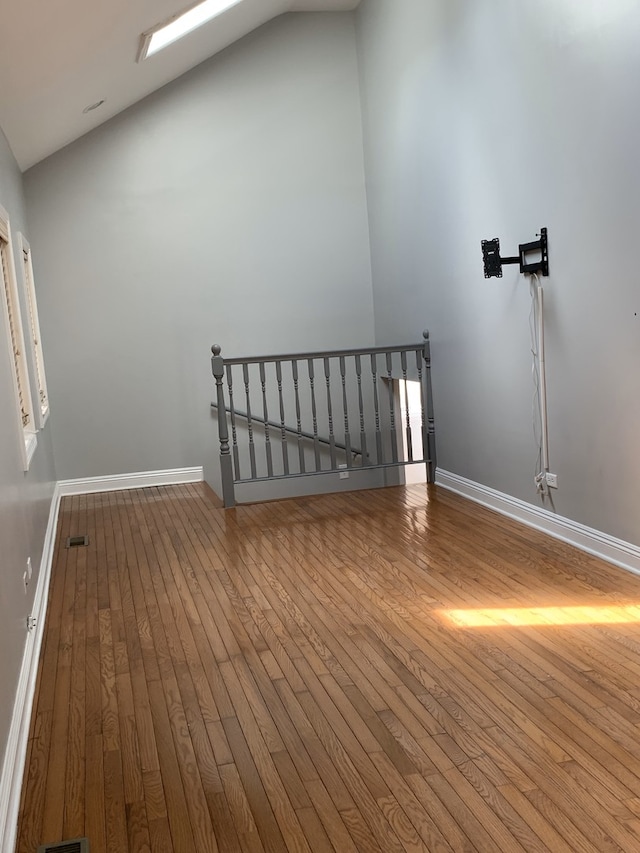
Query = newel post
x=226 y=467
x=431 y=429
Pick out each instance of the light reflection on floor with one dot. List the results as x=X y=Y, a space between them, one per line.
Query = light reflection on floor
x=527 y=616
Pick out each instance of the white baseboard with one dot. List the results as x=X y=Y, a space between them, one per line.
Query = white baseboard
x=16 y=751
x=594 y=542
x=141 y=480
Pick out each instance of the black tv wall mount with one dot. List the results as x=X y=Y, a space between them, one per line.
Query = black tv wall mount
x=493 y=262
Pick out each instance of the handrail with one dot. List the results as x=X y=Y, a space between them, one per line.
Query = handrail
x=354 y=450
x=303 y=356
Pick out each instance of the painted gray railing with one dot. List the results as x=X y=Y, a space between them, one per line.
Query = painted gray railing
x=349 y=400
x=288 y=429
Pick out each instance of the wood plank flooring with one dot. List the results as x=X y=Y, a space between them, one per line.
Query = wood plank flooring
x=291 y=677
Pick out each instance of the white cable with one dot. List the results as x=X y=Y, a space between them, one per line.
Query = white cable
x=535 y=402
x=543 y=379
x=540 y=424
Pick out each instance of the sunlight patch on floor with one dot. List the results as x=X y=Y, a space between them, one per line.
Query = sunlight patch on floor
x=526 y=616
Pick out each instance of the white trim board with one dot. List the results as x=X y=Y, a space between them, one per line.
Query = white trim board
x=141 y=480
x=616 y=551
x=16 y=751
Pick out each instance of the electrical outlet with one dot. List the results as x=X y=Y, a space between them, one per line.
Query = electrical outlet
x=552 y=480
x=344 y=475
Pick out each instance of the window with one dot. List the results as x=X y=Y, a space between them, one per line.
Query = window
x=42 y=408
x=180 y=25
x=15 y=340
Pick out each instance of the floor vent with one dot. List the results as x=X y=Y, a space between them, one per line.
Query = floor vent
x=80 y=845
x=77 y=542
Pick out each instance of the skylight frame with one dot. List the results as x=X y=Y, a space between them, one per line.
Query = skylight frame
x=146 y=39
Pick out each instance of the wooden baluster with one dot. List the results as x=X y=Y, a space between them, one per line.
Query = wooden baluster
x=226 y=466
x=296 y=388
x=403 y=362
x=332 y=438
x=376 y=409
x=234 y=432
x=265 y=414
x=314 y=414
x=392 y=408
x=252 y=446
x=363 y=435
x=345 y=407
x=283 y=426
x=423 y=419
x=430 y=449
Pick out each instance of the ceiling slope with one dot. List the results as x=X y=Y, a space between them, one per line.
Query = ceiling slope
x=58 y=58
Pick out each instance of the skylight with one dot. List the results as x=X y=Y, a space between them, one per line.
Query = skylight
x=180 y=25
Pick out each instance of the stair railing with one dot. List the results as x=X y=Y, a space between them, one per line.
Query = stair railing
x=347 y=410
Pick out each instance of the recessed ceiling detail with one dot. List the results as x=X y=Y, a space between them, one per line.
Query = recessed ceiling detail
x=54 y=57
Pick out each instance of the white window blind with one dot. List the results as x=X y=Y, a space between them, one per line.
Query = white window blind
x=34 y=333
x=15 y=340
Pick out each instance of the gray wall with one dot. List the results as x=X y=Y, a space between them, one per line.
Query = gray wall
x=24 y=498
x=229 y=207
x=487 y=119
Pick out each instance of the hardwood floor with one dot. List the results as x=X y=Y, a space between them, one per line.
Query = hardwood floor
x=378 y=671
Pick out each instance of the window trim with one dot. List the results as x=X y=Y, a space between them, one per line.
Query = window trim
x=15 y=341
x=35 y=336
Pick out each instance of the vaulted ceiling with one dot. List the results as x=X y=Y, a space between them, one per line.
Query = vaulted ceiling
x=56 y=58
